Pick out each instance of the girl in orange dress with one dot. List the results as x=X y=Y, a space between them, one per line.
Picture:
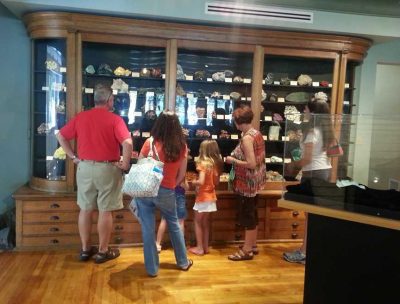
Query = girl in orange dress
x=209 y=165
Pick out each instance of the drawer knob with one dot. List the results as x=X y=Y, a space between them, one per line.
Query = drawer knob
x=118 y=227
x=295 y=213
x=54 y=217
x=295 y=225
x=54 y=206
x=294 y=235
x=54 y=229
x=55 y=241
x=119 y=216
x=238 y=237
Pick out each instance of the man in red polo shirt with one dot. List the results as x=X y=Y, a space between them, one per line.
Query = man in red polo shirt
x=99 y=134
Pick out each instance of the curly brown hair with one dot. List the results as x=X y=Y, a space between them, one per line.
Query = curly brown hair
x=168 y=130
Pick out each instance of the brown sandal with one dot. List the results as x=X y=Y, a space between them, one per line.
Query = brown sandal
x=190 y=264
x=111 y=254
x=254 y=249
x=241 y=255
x=85 y=255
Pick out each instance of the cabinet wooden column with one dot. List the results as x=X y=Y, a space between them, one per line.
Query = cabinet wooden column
x=258 y=69
x=170 y=82
x=72 y=97
x=341 y=83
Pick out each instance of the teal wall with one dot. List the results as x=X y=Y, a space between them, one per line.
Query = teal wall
x=14 y=105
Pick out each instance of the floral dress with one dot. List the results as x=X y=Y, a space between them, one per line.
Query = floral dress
x=248 y=182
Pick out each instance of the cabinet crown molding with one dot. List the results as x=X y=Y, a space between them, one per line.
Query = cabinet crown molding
x=58 y=24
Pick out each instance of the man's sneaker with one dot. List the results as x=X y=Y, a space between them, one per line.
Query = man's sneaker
x=295 y=257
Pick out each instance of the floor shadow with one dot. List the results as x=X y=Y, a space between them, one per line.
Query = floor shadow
x=129 y=282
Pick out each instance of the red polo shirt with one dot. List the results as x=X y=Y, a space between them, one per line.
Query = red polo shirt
x=99 y=134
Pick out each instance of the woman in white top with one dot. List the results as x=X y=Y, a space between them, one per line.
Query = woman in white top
x=317 y=136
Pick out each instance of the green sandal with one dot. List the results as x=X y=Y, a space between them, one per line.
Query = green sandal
x=241 y=255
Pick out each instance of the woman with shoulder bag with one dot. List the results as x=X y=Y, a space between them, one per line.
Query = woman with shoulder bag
x=170 y=145
x=317 y=136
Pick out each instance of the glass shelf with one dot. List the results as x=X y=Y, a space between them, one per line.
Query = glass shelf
x=49 y=106
x=205 y=102
x=143 y=97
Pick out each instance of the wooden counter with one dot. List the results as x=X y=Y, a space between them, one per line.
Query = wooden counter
x=341 y=214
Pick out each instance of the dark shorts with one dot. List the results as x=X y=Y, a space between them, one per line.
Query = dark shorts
x=181 y=206
x=180 y=202
x=247 y=215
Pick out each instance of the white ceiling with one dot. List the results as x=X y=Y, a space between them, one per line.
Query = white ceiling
x=381 y=8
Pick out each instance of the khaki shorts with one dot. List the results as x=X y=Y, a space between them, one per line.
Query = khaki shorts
x=99 y=186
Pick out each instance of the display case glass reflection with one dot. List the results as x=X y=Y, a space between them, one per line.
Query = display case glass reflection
x=210 y=86
x=288 y=84
x=358 y=171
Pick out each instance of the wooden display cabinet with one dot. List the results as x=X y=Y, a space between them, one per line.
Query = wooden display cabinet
x=92 y=39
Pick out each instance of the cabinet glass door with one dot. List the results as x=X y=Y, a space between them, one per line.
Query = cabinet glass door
x=210 y=85
x=49 y=108
x=349 y=88
x=137 y=76
x=289 y=83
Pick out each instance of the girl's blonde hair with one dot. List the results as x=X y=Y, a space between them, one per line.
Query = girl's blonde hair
x=210 y=156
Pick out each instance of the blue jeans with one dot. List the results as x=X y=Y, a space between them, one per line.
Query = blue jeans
x=165 y=202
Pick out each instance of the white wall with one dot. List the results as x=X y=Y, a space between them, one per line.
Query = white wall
x=378 y=83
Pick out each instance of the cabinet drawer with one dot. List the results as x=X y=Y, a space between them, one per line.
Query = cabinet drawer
x=50 y=229
x=72 y=228
x=286 y=235
x=287 y=214
x=74 y=240
x=126 y=228
x=51 y=241
x=52 y=205
x=123 y=215
x=229 y=236
x=49 y=217
x=126 y=238
x=284 y=224
x=231 y=225
x=53 y=217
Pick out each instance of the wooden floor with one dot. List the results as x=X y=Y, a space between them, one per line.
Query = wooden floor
x=57 y=277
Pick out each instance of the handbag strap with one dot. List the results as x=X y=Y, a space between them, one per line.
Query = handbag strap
x=335 y=142
x=153 y=149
